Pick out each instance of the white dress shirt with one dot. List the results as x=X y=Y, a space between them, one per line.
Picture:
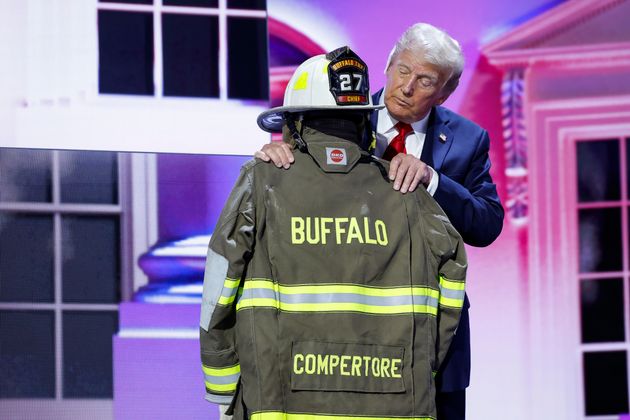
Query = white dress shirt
x=386 y=131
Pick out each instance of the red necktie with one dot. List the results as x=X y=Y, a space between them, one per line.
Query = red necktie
x=397 y=145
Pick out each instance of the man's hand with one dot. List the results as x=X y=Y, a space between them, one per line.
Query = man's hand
x=407 y=172
x=281 y=154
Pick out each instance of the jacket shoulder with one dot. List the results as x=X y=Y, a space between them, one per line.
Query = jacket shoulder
x=257 y=167
x=250 y=164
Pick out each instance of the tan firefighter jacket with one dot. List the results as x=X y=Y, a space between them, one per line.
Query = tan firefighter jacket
x=328 y=294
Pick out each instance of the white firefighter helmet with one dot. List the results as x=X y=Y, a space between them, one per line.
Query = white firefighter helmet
x=334 y=81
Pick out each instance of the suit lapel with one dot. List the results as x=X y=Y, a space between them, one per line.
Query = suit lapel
x=439 y=139
x=374 y=117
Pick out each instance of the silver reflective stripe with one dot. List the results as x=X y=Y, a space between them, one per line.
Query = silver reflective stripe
x=229 y=292
x=222 y=380
x=264 y=293
x=219 y=399
x=230 y=288
x=213 y=279
x=453 y=294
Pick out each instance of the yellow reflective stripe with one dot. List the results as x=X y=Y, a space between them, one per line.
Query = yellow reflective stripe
x=453 y=303
x=232 y=370
x=221 y=388
x=221 y=379
x=452 y=292
x=425 y=291
x=279 y=415
x=341 y=288
x=450 y=284
x=359 y=290
x=334 y=307
x=275 y=292
x=229 y=285
x=226 y=300
x=259 y=284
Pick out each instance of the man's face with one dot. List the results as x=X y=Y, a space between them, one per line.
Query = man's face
x=413 y=87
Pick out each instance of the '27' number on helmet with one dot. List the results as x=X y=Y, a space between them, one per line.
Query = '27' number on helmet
x=345 y=80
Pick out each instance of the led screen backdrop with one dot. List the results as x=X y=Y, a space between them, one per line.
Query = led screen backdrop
x=97 y=242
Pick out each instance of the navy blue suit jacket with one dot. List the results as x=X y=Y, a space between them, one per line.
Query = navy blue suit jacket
x=469 y=198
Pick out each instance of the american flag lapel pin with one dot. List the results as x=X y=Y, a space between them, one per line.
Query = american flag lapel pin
x=442 y=137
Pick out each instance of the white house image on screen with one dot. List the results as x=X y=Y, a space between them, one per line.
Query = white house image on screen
x=566 y=109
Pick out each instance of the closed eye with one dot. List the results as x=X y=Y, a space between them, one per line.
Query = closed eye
x=427 y=82
x=403 y=70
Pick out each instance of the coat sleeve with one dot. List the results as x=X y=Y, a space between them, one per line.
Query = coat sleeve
x=228 y=254
x=448 y=249
x=473 y=206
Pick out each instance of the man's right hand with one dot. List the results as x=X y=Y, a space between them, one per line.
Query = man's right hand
x=281 y=154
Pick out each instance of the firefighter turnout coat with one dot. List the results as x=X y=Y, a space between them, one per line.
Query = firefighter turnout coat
x=328 y=294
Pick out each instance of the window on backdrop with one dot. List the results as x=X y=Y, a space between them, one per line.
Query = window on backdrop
x=61 y=236
x=173 y=48
x=603 y=180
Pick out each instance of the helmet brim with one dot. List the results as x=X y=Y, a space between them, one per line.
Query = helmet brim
x=272 y=121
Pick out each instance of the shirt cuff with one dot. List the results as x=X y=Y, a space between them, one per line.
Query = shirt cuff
x=222 y=410
x=433 y=184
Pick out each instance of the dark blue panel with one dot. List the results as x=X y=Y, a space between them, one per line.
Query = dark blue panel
x=125 y=49
x=127 y=1
x=27 y=354
x=192 y=3
x=89 y=177
x=602 y=310
x=25 y=175
x=248 y=72
x=605 y=383
x=87 y=354
x=598 y=171
x=26 y=258
x=91 y=259
x=191 y=55
x=600 y=240
x=247 y=4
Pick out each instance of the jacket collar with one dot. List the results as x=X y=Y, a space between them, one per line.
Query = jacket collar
x=332 y=154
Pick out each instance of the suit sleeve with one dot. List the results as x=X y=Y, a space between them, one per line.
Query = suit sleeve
x=448 y=249
x=473 y=207
x=228 y=254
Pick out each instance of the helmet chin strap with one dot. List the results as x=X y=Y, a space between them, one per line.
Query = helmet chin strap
x=299 y=141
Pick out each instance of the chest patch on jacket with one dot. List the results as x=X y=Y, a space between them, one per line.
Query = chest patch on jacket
x=320 y=366
x=336 y=156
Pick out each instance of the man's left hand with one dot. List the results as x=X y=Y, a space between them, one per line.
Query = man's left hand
x=407 y=172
